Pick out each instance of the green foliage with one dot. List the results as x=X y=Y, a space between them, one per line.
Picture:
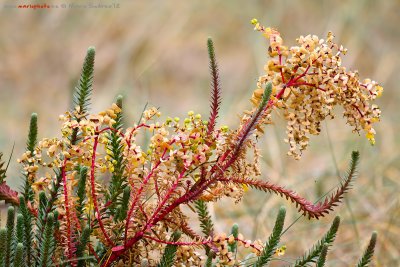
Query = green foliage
x=315 y=251
x=266 y=95
x=123 y=207
x=3 y=245
x=168 y=257
x=82 y=245
x=369 y=252
x=20 y=228
x=273 y=240
x=53 y=192
x=10 y=236
x=322 y=257
x=16 y=246
x=118 y=180
x=33 y=133
x=42 y=213
x=83 y=91
x=30 y=147
x=206 y=223
x=209 y=259
x=211 y=54
x=81 y=191
x=19 y=255
x=235 y=232
x=47 y=242
x=84 y=88
x=28 y=236
x=41 y=222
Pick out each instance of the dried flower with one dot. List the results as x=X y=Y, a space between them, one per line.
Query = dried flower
x=309 y=81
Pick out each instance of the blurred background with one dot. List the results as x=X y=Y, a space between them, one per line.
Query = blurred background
x=155 y=52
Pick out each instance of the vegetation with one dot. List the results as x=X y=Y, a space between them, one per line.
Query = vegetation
x=106 y=194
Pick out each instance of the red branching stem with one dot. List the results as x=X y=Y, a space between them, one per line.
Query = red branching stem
x=227 y=160
x=113 y=130
x=245 y=132
x=156 y=187
x=129 y=139
x=309 y=84
x=134 y=130
x=359 y=111
x=91 y=249
x=305 y=206
x=138 y=193
x=117 y=251
x=300 y=76
x=231 y=155
x=178 y=243
x=93 y=187
x=280 y=63
x=143 y=212
x=246 y=243
x=103 y=130
x=366 y=87
x=278 y=96
x=185 y=228
x=67 y=214
x=167 y=195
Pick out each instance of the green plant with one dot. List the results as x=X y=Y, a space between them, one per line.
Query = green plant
x=114 y=200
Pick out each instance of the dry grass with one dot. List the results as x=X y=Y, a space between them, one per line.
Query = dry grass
x=154 y=51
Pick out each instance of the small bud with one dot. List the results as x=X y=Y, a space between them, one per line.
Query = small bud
x=224 y=129
x=254 y=21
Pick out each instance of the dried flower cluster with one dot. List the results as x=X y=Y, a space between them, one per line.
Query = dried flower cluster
x=309 y=81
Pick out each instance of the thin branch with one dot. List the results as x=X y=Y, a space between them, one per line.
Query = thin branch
x=93 y=189
x=307 y=207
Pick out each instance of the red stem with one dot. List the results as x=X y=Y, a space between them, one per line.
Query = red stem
x=178 y=243
x=103 y=130
x=300 y=76
x=91 y=249
x=167 y=195
x=359 y=111
x=139 y=193
x=205 y=242
x=93 y=187
x=280 y=63
x=67 y=214
x=308 y=84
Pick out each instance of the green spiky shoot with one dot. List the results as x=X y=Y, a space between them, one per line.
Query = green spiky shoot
x=273 y=240
x=315 y=251
x=369 y=252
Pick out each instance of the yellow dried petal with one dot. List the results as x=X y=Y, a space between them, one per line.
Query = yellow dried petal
x=379 y=90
